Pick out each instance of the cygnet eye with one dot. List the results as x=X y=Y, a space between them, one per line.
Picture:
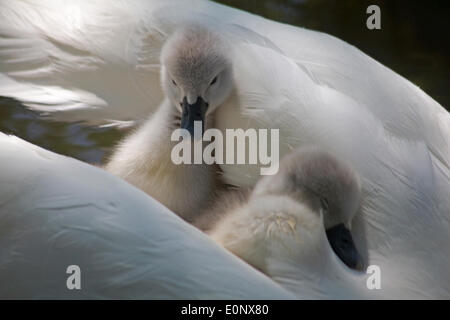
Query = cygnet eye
x=213 y=81
x=324 y=203
x=174 y=83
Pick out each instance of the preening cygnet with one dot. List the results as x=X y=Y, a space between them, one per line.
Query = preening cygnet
x=196 y=79
x=312 y=192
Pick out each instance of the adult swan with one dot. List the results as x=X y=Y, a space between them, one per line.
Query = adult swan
x=102 y=62
x=57 y=212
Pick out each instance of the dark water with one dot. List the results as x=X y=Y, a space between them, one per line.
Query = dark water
x=413 y=42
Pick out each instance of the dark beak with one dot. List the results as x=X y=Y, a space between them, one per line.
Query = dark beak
x=193 y=112
x=341 y=241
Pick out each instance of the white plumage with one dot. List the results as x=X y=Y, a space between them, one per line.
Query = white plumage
x=102 y=63
x=128 y=246
x=56 y=211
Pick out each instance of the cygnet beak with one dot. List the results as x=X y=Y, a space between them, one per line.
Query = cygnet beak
x=193 y=112
x=341 y=242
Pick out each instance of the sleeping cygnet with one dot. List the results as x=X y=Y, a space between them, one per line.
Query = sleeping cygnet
x=313 y=196
x=196 y=79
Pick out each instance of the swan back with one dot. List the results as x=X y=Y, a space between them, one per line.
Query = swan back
x=56 y=212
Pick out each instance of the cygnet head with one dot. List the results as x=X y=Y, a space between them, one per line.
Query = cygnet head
x=326 y=186
x=196 y=73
